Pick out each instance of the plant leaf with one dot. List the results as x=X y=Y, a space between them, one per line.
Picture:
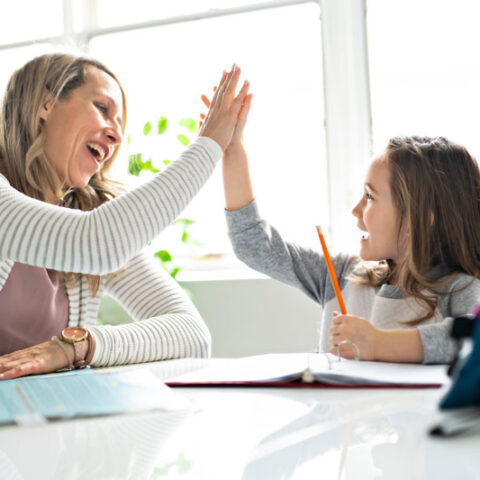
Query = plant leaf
x=162 y=125
x=174 y=272
x=183 y=221
x=163 y=255
x=189 y=123
x=166 y=162
x=135 y=164
x=146 y=128
x=192 y=241
x=183 y=140
x=184 y=237
x=148 y=166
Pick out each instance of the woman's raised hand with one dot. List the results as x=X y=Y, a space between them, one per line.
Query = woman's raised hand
x=223 y=114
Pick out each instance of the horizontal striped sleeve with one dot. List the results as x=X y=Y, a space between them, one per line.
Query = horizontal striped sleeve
x=96 y=242
x=167 y=325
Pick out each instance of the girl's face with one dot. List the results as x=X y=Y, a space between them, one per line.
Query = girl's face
x=378 y=217
x=83 y=130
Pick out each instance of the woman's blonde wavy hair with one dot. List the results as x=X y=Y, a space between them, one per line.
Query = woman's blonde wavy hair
x=22 y=157
x=435 y=186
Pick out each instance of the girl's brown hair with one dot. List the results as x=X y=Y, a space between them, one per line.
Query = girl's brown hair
x=22 y=157
x=435 y=186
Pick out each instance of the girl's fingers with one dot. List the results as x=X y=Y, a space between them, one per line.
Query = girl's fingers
x=243 y=115
x=336 y=320
x=205 y=101
x=240 y=99
x=334 y=331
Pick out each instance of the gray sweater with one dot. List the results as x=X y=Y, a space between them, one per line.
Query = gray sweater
x=262 y=248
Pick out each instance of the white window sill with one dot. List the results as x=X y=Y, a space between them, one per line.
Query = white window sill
x=215 y=268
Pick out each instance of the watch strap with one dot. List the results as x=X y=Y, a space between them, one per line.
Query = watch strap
x=81 y=350
x=61 y=344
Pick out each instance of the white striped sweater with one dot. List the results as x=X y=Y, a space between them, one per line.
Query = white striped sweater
x=102 y=241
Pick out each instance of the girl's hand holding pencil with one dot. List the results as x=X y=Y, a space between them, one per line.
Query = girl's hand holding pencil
x=347 y=328
x=356 y=330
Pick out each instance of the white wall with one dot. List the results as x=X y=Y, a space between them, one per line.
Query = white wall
x=248 y=317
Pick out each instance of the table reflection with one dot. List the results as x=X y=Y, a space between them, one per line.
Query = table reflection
x=117 y=447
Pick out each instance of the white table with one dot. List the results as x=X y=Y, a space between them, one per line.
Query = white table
x=250 y=433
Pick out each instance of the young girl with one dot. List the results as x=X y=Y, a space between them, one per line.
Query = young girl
x=419 y=259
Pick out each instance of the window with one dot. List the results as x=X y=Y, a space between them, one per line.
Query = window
x=424 y=69
x=167 y=56
x=166 y=70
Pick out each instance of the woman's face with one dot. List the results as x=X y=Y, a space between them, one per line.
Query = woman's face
x=383 y=237
x=83 y=129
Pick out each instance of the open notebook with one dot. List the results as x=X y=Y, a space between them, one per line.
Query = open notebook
x=297 y=369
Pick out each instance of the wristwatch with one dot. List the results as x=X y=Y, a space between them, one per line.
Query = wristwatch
x=78 y=337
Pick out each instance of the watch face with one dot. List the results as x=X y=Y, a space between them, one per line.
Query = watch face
x=75 y=334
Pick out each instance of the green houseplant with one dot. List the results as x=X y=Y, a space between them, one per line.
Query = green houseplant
x=137 y=164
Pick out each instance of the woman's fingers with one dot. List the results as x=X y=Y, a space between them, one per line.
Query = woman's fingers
x=42 y=358
x=22 y=369
x=221 y=88
x=231 y=86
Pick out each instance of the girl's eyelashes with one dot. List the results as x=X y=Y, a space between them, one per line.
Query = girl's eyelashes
x=368 y=196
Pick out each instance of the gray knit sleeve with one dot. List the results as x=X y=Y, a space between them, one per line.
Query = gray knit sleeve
x=461 y=295
x=260 y=246
x=167 y=325
x=104 y=239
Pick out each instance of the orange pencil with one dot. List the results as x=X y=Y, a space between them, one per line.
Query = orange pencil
x=331 y=271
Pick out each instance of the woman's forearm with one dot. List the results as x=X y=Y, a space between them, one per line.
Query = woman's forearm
x=104 y=239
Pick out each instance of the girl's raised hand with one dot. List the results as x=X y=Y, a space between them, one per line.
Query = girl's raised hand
x=353 y=329
x=225 y=107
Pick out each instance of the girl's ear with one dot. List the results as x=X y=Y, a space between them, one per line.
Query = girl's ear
x=47 y=105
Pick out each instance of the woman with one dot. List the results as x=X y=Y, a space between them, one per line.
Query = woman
x=64 y=237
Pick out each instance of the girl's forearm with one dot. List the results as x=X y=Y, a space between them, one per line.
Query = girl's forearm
x=399 y=346
x=236 y=179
